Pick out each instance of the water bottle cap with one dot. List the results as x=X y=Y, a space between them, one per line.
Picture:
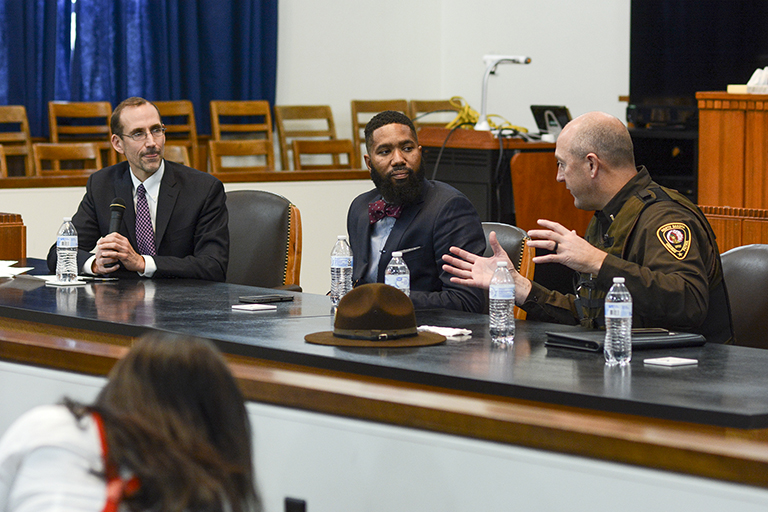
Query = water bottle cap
x=341 y=237
x=67 y=219
x=618 y=280
x=501 y=264
x=397 y=254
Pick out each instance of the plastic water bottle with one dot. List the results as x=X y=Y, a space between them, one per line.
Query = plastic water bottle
x=501 y=296
x=341 y=269
x=397 y=273
x=618 y=324
x=66 y=252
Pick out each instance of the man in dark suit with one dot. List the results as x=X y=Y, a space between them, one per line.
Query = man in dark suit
x=406 y=212
x=175 y=220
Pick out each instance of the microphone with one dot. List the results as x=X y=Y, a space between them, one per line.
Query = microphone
x=117 y=208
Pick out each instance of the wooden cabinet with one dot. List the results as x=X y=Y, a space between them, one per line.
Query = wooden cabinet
x=733 y=149
x=13 y=237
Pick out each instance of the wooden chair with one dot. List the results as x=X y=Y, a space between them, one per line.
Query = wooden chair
x=435 y=113
x=334 y=148
x=368 y=109
x=514 y=241
x=180 y=127
x=82 y=121
x=177 y=154
x=78 y=154
x=3 y=165
x=242 y=120
x=305 y=122
x=258 y=149
x=269 y=256
x=14 y=135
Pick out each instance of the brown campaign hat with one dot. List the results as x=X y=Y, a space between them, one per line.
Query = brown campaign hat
x=375 y=315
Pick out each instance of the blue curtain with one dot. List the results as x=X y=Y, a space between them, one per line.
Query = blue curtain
x=34 y=52
x=198 y=50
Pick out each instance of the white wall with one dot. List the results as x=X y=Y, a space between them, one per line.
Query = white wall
x=335 y=51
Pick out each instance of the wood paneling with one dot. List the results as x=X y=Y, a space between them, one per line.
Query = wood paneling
x=737 y=226
x=733 y=149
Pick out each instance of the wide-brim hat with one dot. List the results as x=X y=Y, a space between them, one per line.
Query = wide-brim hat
x=375 y=315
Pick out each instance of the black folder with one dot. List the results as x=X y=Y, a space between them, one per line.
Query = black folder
x=642 y=339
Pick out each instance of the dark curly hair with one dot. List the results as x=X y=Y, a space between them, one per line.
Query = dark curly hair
x=383 y=119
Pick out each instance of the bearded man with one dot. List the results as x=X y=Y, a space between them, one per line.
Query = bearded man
x=408 y=213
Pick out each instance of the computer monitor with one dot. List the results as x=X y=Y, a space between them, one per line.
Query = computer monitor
x=549 y=118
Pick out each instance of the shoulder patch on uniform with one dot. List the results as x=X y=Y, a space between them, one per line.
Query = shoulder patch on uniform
x=676 y=238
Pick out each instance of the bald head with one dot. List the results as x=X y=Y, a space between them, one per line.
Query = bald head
x=602 y=134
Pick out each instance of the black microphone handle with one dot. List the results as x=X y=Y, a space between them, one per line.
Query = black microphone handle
x=115 y=220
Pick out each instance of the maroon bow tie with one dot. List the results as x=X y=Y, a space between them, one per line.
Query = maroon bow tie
x=377 y=210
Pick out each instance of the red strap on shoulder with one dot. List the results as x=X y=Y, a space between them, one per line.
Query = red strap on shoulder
x=116 y=486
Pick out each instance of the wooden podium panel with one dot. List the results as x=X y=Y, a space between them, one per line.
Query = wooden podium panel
x=733 y=149
x=538 y=195
x=734 y=227
x=13 y=237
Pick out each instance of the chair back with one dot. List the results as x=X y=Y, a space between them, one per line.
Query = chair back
x=3 y=165
x=367 y=109
x=14 y=135
x=745 y=270
x=303 y=122
x=83 y=158
x=178 y=154
x=434 y=113
x=82 y=121
x=269 y=256
x=514 y=241
x=259 y=154
x=243 y=120
x=180 y=128
x=334 y=148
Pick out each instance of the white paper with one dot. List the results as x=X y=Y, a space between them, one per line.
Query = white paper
x=253 y=307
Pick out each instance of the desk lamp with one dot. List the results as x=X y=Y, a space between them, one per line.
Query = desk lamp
x=491 y=62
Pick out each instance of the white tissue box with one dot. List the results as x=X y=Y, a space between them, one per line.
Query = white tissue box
x=737 y=89
x=757 y=89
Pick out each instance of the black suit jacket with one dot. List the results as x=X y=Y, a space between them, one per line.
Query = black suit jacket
x=191 y=234
x=442 y=217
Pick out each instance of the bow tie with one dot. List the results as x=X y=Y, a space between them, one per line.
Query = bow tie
x=377 y=210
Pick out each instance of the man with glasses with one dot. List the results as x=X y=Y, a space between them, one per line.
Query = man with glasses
x=652 y=236
x=175 y=217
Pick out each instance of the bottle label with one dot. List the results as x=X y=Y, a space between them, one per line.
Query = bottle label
x=618 y=310
x=66 y=242
x=401 y=282
x=502 y=291
x=341 y=261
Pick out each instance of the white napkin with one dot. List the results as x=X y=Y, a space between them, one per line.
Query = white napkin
x=451 y=333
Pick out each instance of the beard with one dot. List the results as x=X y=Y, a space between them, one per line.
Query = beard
x=399 y=192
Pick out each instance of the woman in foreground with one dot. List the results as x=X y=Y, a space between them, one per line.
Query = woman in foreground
x=168 y=432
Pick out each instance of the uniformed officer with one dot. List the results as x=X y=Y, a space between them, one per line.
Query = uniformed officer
x=652 y=236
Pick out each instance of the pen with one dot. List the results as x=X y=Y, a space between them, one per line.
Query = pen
x=410 y=249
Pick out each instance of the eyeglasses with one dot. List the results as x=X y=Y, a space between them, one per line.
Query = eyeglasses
x=141 y=136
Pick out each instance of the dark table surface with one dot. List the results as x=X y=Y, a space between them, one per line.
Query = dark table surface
x=728 y=387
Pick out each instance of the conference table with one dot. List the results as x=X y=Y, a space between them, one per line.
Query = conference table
x=708 y=420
